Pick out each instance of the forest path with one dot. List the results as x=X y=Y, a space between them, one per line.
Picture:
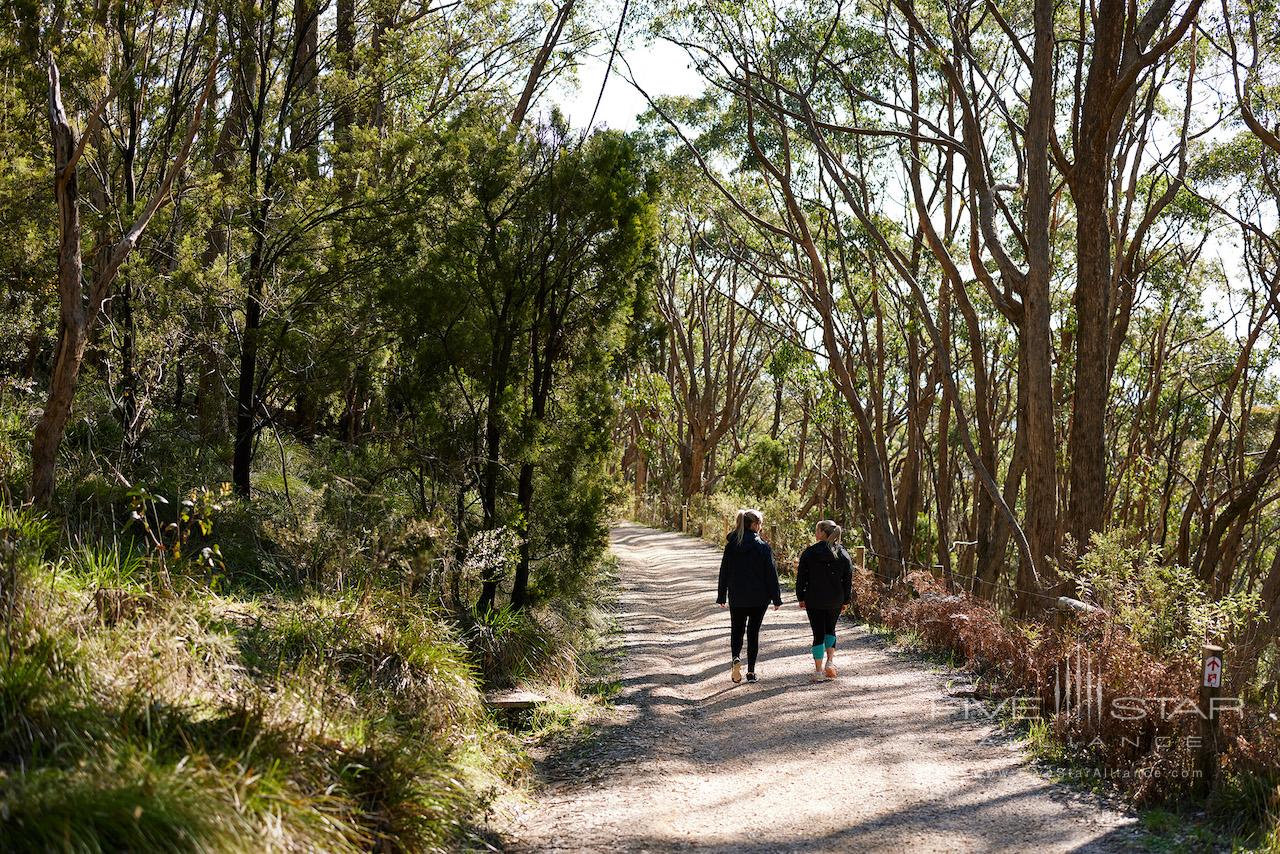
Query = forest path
x=877 y=760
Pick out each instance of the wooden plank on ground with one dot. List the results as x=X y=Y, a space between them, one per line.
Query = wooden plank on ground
x=517 y=699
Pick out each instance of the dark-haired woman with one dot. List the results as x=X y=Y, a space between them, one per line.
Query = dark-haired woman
x=748 y=582
x=824 y=585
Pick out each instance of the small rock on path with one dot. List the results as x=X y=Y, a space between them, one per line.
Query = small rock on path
x=877 y=760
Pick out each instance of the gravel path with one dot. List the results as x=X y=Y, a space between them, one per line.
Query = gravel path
x=878 y=760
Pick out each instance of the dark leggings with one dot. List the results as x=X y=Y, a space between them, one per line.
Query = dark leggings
x=823 y=623
x=746 y=620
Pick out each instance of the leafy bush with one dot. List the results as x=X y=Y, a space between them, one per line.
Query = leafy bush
x=761 y=469
x=1167 y=609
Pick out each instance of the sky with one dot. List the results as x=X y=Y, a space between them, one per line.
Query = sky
x=662 y=68
x=659 y=67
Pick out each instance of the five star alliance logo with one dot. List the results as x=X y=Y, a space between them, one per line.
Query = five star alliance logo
x=1077 y=685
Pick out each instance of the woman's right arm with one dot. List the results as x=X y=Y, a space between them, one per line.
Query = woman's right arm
x=722 y=593
x=802 y=577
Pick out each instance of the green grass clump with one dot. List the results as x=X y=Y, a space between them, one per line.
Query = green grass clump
x=113 y=567
x=326 y=722
x=122 y=803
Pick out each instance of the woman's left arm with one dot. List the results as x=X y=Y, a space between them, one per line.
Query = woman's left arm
x=847 y=577
x=773 y=574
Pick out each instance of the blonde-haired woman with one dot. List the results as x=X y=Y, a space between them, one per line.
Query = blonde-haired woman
x=824 y=585
x=748 y=582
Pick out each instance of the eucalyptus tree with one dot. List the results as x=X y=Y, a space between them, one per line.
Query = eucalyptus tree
x=715 y=345
x=954 y=114
x=163 y=138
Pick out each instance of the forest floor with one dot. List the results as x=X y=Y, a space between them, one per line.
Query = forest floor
x=880 y=759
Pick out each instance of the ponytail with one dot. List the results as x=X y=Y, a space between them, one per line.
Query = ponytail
x=745 y=518
x=832 y=530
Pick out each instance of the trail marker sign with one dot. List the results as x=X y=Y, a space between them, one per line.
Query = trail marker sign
x=1212 y=672
x=1210 y=686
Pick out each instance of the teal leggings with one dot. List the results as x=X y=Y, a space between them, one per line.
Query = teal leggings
x=823 y=623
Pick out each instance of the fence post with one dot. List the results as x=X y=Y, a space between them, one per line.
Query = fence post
x=1068 y=607
x=1210 y=688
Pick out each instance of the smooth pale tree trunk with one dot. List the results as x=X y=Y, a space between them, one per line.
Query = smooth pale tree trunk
x=74 y=319
x=540 y=60
x=78 y=310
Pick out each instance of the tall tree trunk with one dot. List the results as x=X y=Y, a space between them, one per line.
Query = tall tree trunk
x=1119 y=53
x=942 y=477
x=73 y=322
x=211 y=398
x=524 y=498
x=79 y=311
x=1036 y=375
x=540 y=60
x=124 y=304
x=777 y=407
x=304 y=128
x=247 y=389
x=493 y=455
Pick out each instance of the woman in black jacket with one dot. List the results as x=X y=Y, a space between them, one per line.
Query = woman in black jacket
x=824 y=585
x=749 y=581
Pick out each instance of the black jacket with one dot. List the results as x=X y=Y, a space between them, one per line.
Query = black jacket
x=748 y=576
x=824 y=580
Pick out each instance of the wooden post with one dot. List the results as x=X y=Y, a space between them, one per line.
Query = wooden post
x=1068 y=607
x=1211 y=672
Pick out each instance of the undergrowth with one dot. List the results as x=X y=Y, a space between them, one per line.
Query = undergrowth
x=197 y=673
x=1146 y=752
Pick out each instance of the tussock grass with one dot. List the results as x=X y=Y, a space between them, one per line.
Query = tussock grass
x=205 y=722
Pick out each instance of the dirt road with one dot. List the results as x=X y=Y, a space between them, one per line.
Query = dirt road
x=877 y=760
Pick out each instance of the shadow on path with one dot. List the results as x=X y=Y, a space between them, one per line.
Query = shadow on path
x=877 y=760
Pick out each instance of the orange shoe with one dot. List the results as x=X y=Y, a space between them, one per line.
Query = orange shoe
x=830 y=671
x=736 y=673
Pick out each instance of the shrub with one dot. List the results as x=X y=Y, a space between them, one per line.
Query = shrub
x=324 y=723
x=761 y=469
x=1167 y=609
x=1150 y=754
x=122 y=803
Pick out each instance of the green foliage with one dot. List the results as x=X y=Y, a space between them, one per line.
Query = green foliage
x=761 y=470
x=236 y=725
x=507 y=644
x=1166 y=607
x=1246 y=803
x=109 y=566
